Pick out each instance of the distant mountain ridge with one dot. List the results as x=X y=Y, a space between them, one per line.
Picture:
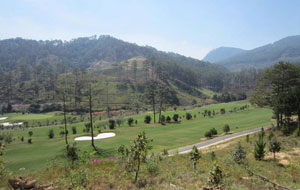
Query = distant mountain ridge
x=222 y=53
x=286 y=49
x=80 y=52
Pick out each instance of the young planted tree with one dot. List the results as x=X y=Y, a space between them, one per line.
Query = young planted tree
x=188 y=116
x=226 y=129
x=130 y=121
x=274 y=146
x=259 y=148
x=175 y=117
x=138 y=153
x=111 y=124
x=147 y=119
x=195 y=156
x=51 y=134
x=30 y=133
x=238 y=154
x=215 y=175
x=72 y=153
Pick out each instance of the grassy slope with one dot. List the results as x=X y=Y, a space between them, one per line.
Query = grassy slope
x=35 y=156
x=176 y=172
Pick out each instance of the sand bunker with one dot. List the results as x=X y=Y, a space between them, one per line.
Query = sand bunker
x=7 y=124
x=99 y=136
x=2 y=118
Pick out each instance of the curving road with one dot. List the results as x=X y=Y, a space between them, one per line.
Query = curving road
x=214 y=141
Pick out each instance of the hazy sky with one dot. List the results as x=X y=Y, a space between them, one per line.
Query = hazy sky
x=188 y=27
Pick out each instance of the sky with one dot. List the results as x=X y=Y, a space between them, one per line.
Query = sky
x=188 y=27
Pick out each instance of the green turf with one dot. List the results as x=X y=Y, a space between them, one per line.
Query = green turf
x=27 y=117
x=36 y=156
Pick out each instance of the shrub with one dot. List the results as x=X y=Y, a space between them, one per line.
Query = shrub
x=22 y=139
x=111 y=124
x=119 y=121
x=153 y=166
x=165 y=152
x=247 y=138
x=51 y=134
x=62 y=133
x=271 y=135
x=168 y=119
x=74 y=130
x=226 y=128
x=87 y=127
x=147 y=119
x=188 y=116
x=130 y=121
x=212 y=155
x=213 y=131
x=274 y=146
x=215 y=175
x=222 y=111
x=7 y=137
x=175 y=117
x=163 y=119
x=123 y=151
x=30 y=133
x=208 y=134
x=238 y=154
x=72 y=153
x=29 y=141
x=298 y=131
x=285 y=129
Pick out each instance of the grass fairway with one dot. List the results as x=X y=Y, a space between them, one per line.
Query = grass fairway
x=28 y=117
x=35 y=156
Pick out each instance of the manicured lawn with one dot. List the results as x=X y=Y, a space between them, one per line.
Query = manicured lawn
x=27 y=117
x=36 y=156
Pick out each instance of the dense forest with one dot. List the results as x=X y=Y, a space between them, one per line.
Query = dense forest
x=39 y=72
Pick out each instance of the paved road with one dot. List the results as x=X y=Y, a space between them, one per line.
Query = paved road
x=207 y=143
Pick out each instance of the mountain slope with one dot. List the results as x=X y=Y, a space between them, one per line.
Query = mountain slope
x=37 y=70
x=221 y=53
x=286 y=49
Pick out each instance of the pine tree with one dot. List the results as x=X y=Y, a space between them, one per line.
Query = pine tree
x=259 y=149
x=195 y=156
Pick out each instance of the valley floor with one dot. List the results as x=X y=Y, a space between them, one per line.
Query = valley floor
x=42 y=151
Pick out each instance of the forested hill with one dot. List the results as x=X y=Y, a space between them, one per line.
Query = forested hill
x=81 y=52
x=36 y=72
x=221 y=53
x=286 y=49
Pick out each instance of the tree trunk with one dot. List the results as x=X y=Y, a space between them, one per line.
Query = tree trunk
x=153 y=107
x=137 y=172
x=277 y=120
x=274 y=155
x=298 y=114
x=65 y=120
x=91 y=118
x=160 y=108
